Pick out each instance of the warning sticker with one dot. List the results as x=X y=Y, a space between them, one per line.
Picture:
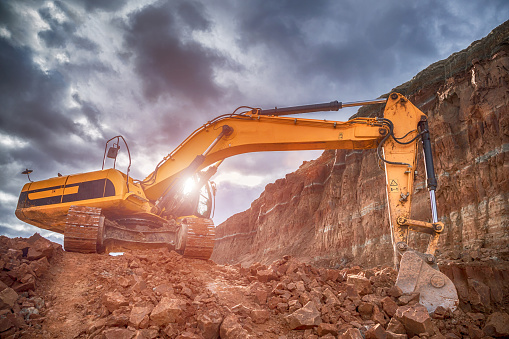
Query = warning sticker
x=393 y=185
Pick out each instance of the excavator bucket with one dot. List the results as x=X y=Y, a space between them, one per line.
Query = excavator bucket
x=434 y=287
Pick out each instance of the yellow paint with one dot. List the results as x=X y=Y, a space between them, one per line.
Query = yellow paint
x=46 y=194
x=71 y=190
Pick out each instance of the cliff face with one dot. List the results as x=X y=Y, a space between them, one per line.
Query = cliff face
x=333 y=210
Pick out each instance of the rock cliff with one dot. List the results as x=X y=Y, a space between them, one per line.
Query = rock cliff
x=332 y=210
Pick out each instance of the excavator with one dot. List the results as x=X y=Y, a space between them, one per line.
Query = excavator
x=108 y=210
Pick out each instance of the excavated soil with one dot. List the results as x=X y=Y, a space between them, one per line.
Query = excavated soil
x=48 y=293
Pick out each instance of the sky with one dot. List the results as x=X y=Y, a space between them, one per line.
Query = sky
x=75 y=73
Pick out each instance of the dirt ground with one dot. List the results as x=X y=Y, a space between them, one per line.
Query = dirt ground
x=49 y=293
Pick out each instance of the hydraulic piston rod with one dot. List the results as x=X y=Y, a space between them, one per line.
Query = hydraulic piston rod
x=430 y=170
x=328 y=106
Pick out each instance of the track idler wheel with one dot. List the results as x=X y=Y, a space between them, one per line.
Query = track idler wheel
x=84 y=229
x=195 y=238
x=435 y=288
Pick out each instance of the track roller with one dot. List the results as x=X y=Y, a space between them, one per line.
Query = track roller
x=195 y=238
x=84 y=228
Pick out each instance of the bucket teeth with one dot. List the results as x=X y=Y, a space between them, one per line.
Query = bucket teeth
x=434 y=287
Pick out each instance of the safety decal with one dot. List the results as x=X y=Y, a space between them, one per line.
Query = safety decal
x=393 y=185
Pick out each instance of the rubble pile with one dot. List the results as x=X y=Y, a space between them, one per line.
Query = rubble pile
x=22 y=263
x=160 y=294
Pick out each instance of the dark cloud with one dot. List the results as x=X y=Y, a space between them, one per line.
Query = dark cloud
x=107 y=6
x=169 y=63
x=61 y=33
x=7 y=16
x=279 y=24
x=34 y=113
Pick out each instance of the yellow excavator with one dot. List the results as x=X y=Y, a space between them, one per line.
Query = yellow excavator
x=171 y=207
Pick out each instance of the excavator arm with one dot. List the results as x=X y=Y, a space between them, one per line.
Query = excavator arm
x=395 y=138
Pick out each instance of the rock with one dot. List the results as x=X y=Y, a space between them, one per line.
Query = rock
x=209 y=324
x=139 y=316
x=306 y=317
x=391 y=335
x=171 y=330
x=240 y=309
x=40 y=248
x=260 y=296
x=389 y=306
x=24 y=287
x=361 y=283
x=411 y=298
x=497 y=325
x=293 y=305
x=39 y=267
x=395 y=326
x=330 y=298
x=365 y=310
x=167 y=311
x=351 y=292
x=378 y=316
x=119 y=317
x=118 y=333
x=416 y=319
x=376 y=332
x=5 y=323
x=351 y=333
x=439 y=313
x=260 y=316
x=325 y=328
x=479 y=295
x=7 y=298
x=266 y=275
x=113 y=300
x=189 y=335
x=395 y=291
x=232 y=329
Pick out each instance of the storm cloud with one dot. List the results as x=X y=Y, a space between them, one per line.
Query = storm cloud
x=76 y=73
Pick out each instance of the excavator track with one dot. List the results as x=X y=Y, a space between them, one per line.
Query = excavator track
x=83 y=229
x=195 y=238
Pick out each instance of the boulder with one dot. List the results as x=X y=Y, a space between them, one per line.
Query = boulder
x=497 y=325
x=7 y=298
x=139 y=316
x=304 y=318
x=40 y=248
x=361 y=283
x=416 y=319
x=232 y=329
x=376 y=332
x=326 y=328
x=351 y=333
x=118 y=333
x=209 y=324
x=389 y=306
x=266 y=275
x=114 y=300
x=167 y=311
x=259 y=316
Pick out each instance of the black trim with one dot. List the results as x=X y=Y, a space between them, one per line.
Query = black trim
x=87 y=190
